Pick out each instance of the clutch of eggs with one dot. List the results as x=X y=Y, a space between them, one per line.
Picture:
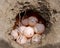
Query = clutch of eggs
x=31 y=21
x=29 y=33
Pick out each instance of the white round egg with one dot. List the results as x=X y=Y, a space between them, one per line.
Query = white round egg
x=21 y=39
x=36 y=38
x=25 y=21
x=14 y=33
x=28 y=32
x=21 y=29
x=39 y=28
x=32 y=21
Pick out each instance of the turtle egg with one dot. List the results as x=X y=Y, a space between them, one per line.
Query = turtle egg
x=25 y=21
x=28 y=32
x=36 y=38
x=21 y=39
x=32 y=21
x=39 y=28
x=14 y=33
x=21 y=29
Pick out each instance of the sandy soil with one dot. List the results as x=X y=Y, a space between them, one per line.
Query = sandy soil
x=8 y=11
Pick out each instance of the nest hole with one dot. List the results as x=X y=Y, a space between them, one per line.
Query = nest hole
x=41 y=17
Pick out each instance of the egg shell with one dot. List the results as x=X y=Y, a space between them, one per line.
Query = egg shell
x=14 y=33
x=29 y=32
x=39 y=28
x=36 y=38
x=32 y=21
x=25 y=21
x=21 y=40
x=21 y=29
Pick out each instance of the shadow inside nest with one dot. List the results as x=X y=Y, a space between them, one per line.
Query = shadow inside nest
x=4 y=44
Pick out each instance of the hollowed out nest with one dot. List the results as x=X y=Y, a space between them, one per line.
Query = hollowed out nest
x=42 y=15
